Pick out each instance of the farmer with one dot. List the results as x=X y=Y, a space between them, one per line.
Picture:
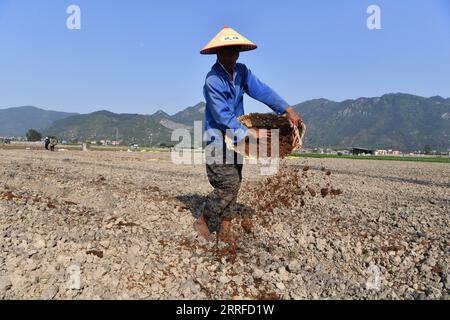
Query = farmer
x=224 y=88
x=53 y=143
x=46 y=142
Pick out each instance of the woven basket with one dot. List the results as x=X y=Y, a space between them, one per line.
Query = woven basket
x=291 y=139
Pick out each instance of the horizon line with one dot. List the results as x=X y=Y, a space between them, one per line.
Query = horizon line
x=296 y=104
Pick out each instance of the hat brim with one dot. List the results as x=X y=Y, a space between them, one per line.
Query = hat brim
x=242 y=47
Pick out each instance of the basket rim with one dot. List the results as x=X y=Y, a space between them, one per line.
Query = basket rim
x=299 y=131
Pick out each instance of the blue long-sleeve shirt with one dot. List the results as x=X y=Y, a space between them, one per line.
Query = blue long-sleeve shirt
x=225 y=96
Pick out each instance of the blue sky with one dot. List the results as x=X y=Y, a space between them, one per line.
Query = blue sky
x=138 y=56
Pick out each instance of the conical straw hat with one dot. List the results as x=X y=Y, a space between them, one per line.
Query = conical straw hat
x=228 y=37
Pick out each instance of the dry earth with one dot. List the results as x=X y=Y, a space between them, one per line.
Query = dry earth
x=321 y=228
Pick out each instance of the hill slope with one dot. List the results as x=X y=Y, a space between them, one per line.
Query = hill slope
x=17 y=121
x=394 y=121
x=133 y=128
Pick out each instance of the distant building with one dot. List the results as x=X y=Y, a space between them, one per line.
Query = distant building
x=362 y=151
x=381 y=152
x=344 y=152
x=318 y=150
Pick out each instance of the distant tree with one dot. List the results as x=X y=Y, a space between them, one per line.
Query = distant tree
x=33 y=135
x=427 y=149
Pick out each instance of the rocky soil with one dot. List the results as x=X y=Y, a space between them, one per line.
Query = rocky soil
x=320 y=228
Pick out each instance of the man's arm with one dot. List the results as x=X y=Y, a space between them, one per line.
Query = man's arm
x=258 y=90
x=216 y=99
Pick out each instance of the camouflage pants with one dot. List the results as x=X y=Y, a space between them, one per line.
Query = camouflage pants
x=226 y=179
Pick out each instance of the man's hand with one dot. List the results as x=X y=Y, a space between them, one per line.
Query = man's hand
x=293 y=117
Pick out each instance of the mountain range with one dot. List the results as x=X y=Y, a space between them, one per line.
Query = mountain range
x=152 y=129
x=17 y=121
x=393 y=121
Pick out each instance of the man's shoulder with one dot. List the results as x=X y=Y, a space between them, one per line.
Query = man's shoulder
x=242 y=70
x=213 y=79
x=241 y=67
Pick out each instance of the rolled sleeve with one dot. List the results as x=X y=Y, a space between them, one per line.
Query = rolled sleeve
x=258 y=90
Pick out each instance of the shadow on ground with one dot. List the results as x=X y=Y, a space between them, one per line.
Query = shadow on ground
x=196 y=202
